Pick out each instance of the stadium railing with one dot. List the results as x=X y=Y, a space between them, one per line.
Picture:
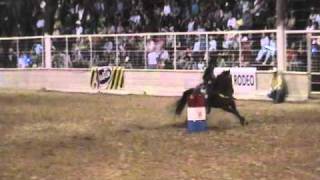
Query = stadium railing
x=173 y=51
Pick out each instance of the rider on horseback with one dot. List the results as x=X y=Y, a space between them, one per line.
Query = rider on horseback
x=217 y=90
x=208 y=79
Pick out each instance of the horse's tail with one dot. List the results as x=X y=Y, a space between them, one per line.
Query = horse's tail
x=183 y=100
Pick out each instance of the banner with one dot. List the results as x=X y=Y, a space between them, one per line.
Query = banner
x=107 y=77
x=244 y=79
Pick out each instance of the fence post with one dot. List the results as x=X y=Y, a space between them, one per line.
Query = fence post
x=42 y=54
x=117 y=51
x=207 y=49
x=91 y=53
x=281 y=37
x=18 y=50
x=240 y=50
x=67 y=53
x=309 y=62
x=175 y=52
x=48 y=55
x=145 y=52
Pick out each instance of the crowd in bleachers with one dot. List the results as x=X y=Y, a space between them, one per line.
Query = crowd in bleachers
x=35 y=17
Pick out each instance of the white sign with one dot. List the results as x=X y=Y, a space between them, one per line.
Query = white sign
x=243 y=79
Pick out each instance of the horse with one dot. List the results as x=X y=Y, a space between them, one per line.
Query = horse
x=218 y=92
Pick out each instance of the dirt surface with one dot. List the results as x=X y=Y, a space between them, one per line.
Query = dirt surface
x=48 y=135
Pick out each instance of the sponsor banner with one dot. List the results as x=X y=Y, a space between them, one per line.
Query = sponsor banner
x=107 y=77
x=244 y=79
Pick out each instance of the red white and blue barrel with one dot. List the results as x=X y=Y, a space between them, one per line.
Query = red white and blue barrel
x=196 y=113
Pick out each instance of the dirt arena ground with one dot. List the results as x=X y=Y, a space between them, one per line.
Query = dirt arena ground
x=49 y=135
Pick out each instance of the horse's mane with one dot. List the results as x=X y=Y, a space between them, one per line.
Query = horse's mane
x=223 y=75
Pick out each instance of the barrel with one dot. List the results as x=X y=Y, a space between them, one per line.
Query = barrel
x=196 y=113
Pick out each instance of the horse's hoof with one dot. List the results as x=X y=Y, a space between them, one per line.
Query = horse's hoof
x=244 y=123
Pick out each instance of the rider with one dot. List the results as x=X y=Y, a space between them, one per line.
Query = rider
x=208 y=81
x=208 y=76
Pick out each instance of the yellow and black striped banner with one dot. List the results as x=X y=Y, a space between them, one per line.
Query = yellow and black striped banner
x=107 y=77
x=94 y=80
x=117 y=78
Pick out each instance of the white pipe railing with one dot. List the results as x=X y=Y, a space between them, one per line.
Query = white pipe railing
x=141 y=54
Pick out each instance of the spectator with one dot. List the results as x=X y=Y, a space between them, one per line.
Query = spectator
x=246 y=50
x=24 y=61
x=108 y=47
x=201 y=65
x=166 y=8
x=301 y=64
x=264 y=43
x=314 y=16
x=196 y=45
x=245 y=6
x=153 y=60
x=191 y=25
x=164 y=60
x=292 y=55
x=57 y=28
x=79 y=28
x=232 y=23
x=135 y=20
x=239 y=22
x=143 y=17
x=212 y=44
x=10 y=61
x=176 y=10
x=40 y=24
x=247 y=20
x=316 y=25
x=271 y=50
x=278 y=88
x=80 y=11
x=310 y=26
x=258 y=12
x=120 y=7
x=291 y=21
x=195 y=9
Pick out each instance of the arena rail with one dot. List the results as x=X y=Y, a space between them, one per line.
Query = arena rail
x=60 y=57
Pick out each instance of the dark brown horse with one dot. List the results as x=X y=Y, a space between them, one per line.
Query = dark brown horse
x=219 y=93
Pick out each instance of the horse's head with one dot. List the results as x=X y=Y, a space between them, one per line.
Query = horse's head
x=223 y=84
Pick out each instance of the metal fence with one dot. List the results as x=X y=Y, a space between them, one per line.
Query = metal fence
x=24 y=52
x=188 y=51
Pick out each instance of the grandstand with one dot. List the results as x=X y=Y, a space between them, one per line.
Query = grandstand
x=163 y=35
x=137 y=16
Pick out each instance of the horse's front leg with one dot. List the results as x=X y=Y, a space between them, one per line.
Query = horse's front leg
x=236 y=112
x=228 y=105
